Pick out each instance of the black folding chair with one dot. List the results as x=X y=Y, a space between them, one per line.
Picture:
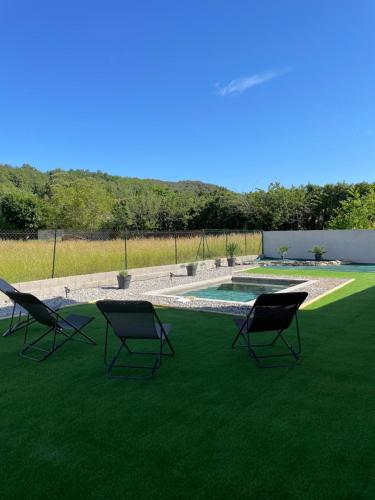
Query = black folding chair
x=17 y=320
x=272 y=312
x=57 y=325
x=134 y=320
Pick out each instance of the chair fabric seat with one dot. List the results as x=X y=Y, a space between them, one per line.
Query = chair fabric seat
x=167 y=328
x=18 y=309
x=6 y=287
x=134 y=320
x=74 y=321
x=240 y=321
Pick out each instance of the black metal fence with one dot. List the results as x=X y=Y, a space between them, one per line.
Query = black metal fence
x=32 y=255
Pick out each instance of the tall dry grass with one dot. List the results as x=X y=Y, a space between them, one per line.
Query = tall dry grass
x=32 y=260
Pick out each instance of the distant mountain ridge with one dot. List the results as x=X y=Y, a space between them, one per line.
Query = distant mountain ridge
x=29 y=178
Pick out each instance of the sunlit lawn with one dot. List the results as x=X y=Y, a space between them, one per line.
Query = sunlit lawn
x=210 y=425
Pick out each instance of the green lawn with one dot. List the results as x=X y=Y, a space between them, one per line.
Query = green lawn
x=210 y=425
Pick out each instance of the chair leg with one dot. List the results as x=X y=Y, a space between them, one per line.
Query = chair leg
x=110 y=366
x=172 y=353
x=18 y=326
x=9 y=330
x=289 y=346
x=114 y=359
x=237 y=337
x=32 y=346
x=14 y=327
x=251 y=352
x=257 y=357
x=77 y=331
x=153 y=353
x=269 y=344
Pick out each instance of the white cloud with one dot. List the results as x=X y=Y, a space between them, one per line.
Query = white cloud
x=239 y=85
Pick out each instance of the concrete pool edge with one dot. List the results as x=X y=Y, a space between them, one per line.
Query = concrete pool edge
x=320 y=287
x=167 y=293
x=316 y=289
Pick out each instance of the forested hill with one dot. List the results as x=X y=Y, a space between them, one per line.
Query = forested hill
x=33 y=180
x=80 y=199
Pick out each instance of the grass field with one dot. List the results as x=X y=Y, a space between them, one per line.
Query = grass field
x=33 y=259
x=210 y=425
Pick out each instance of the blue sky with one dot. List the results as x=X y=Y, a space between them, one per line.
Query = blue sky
x=238 y=93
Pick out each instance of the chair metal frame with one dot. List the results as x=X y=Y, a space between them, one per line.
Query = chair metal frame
x=246 y=331
x=57 y=325
x=5 y=288
x=158 y=355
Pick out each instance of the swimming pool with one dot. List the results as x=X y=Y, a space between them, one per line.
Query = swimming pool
x=240 y=290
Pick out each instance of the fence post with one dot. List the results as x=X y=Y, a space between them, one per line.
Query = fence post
x=126 y=249
x=203 y=241
x=175 y=249
x=226 y=242
x=54 y=253
x=245 y=243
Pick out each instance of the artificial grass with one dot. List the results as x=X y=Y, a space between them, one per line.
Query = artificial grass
x=210 y=425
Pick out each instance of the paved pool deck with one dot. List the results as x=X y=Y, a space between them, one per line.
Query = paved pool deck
x=155 y=290
x=146 y=287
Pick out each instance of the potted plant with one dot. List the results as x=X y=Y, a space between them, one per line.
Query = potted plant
x=191 y=269
x=318 y=252
x=231 y=250
x=282 y=251
x=217 y=263
x=123 y=279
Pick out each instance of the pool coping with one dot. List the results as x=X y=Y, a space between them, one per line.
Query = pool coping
x=165 y=292
x=318 y=288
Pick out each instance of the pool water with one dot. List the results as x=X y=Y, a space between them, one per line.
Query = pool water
x=236 y=292
x=352 y=268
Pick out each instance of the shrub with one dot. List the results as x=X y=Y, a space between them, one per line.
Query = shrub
x=318 y=250
x=282 y=251
x=232 y=249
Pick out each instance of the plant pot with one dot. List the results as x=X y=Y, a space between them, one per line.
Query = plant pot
x=217 y=263
x=318 y=256
x=123 y=281
x=231 y=261
x=191 y=270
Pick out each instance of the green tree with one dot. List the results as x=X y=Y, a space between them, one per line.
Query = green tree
x=121 y=218
x=322 y=202
x=152 y=208
x=144 y=206
x=82 y=204
x=92 y=200
x=221 y=209
x=21 y=211
x=176 y=210
x=357 y=212
x=279 y=208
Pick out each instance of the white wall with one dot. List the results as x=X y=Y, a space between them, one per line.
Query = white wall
x=353 y=245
